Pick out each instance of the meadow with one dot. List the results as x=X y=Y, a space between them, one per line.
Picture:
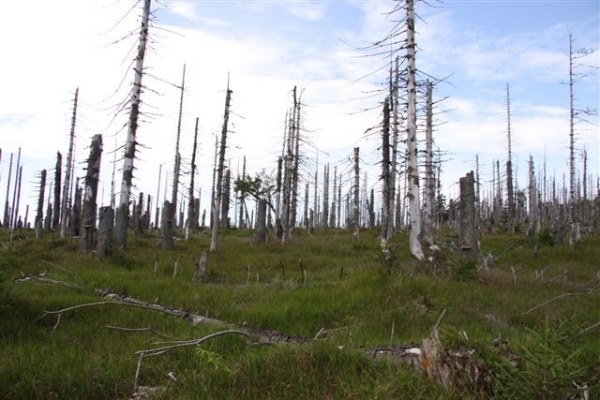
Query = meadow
x=322 y=317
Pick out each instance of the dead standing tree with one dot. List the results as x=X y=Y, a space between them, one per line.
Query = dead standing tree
x=216 y=204
x=64 y=208
x=122 y=217
x=414 y=202
x=192 y=217
x=168 y=243
x=38 y=224
x=88 y=218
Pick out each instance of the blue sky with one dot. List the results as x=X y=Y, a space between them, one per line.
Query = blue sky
x=270 y=46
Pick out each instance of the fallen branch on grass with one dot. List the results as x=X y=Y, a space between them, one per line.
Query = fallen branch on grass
x=161 y=350
x=562 y=296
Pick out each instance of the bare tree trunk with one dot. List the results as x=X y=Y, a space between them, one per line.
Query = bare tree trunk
x=122 y=217
x=356 y=191
x=39 y=228
x=261 y=222
x=177 y=164
x=156 y=216
x=64 y=220
x=574 y=235
x=105 y=232
x=12 y=219
x=533 y=202
x=57 y=182
x=242 y=198
x=509 y=172
x=468 y=230
x=6 y=219
x=75 y=217
x=296 y=162
x=429 y=197
x=412 y=165
x=88 y=220
x=167 y=226
x=192 y=217
x=220 y=171
x=385 y=173
x=306 y=195
x=325 y=221
x=332 y=214
x=226 y=199
x=18 y=194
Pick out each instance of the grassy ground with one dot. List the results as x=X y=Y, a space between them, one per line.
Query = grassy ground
x=348 y=294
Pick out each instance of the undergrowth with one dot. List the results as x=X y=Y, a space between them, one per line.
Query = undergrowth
x=539 y=299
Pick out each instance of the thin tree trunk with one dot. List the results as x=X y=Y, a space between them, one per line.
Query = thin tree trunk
x=220 y=171
x=57 y=183
x=64 y=220
x=6 y=219
x=429 y=197
x=177 y=164
x=122 y=217
x=509 y=172
x=13 y=217
x=356 y=191
x=385 y=173
x=39 y=228
x=192 y=217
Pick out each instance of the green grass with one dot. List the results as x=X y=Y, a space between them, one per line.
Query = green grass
x=348 y=293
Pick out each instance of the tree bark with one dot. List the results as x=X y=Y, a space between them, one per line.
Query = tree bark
x=220 y=172
x=39 y=228
x=88 y=220
x=412 y=165
x=64 y=220
x=468 y=233
x=122 y=221
x=105 y=232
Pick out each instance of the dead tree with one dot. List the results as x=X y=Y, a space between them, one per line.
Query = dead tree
x=177 y=163
x=325 y=217
x=242 y=197
x=429 y=197
x=6 y=219
x=411 y=137
x=509 y=172
x=385 y=173
x=468 y=226
x=226 y=199
x=57 y=182
x=220 y=171
x=192 y=217
x=122 y=217
x=12 y=219
x=64 y=213
x=104 y=246
x=92 y=176
x=355 y=197
x=39 y=217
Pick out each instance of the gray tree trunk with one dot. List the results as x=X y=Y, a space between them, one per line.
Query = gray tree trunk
x=64 y=220
x=385 y=173
x=192 y=216
x=509 y=172
x=468 y=225
x=168 y=242
x=261 y=222
x=6 y=218
x=355 y=197
x=429 y=197
x=411 y=144
x=39 y=217
x=220 y=172
x=122 y=217
x=88 y=220
x=105 y=232
x=57 y=182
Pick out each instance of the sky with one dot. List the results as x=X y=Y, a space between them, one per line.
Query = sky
x=474 y=48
